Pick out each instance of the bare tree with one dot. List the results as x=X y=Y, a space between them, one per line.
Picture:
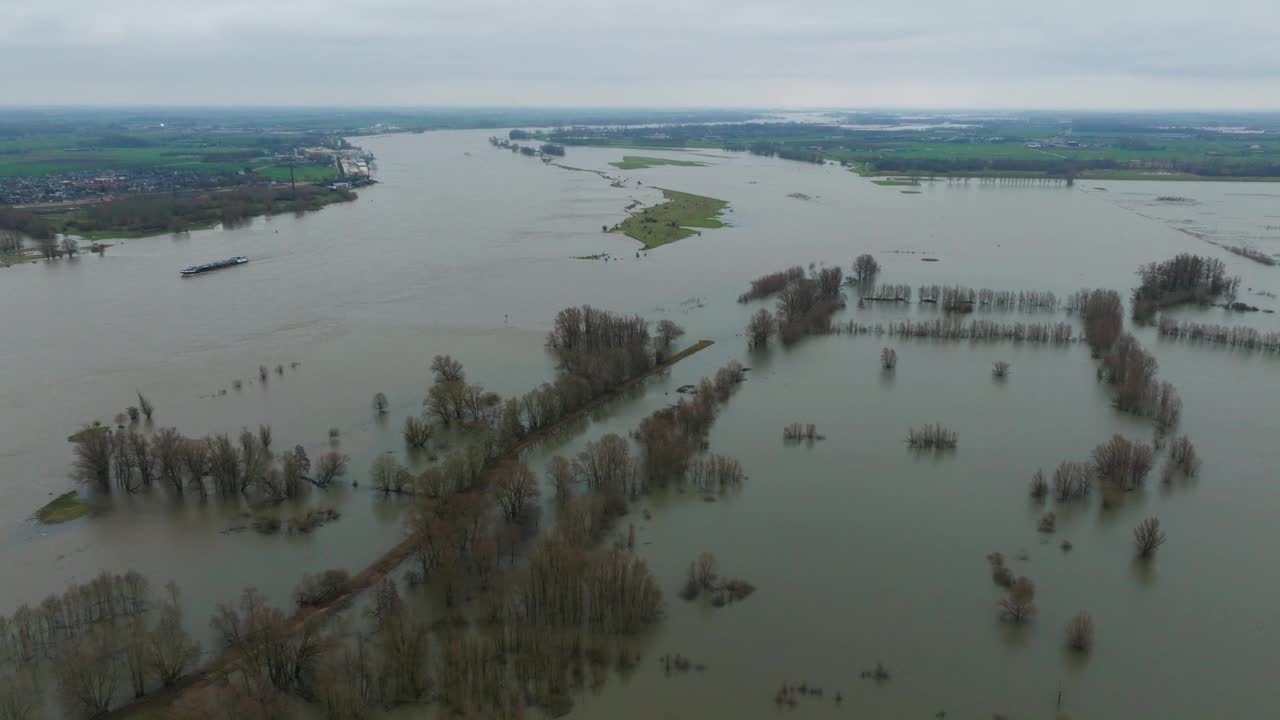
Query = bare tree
x=515 y=488
x=1048 y=523
x=147 y=407
x=93 y=455
x=560 y=473
x=170 y=650
x=331 y=466
x=760 y=328
x=865 y=268
x=666 y=333
x=264 y=437
x=87 y=673
x=1000 y=369
x=606 y=466
x=1148 y=536
x=706 y=570
x=1123 y=462
x=932 y=437
x=143 y=458
x=1019 y=604
x=167 y=447
x=888 y=358
x=1080 y=632
x=447 y=370
x=1039 y=488
x=380 y=404
x=417 y=431
x=18 y=699
x=195 y=458
x=389 y=476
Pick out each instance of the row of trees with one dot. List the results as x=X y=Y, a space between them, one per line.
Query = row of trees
x=1120 y=465
x=93 y=638
x=1103 y=314
x=1131 y=371
x=247 y=466
x=953 y=328
x=963 y=299
x=1232 y=336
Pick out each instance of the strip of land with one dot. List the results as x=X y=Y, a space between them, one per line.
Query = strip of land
x=638 y=162
x=674 y=219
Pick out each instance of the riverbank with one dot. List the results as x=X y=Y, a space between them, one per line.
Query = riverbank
x=674 y=219
x=150 y=707
x=134 y=216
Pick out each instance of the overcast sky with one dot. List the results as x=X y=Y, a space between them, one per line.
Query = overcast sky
x=800 y=53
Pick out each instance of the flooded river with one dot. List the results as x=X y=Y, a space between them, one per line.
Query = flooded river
x=861 y=551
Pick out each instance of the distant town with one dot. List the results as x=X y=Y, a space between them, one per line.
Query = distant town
x=348 y=167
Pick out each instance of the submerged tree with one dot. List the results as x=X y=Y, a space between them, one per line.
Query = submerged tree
x=331 y=466
x=865 y=268
x=1019 y=604
x=1148 y=536
x=760 y=328
x=93 y=455
x=667 y=332
x=147 y=407
x=417 y=431
x=1080 y=632
x=447 y=370
x=380 y=403
x=515 y=488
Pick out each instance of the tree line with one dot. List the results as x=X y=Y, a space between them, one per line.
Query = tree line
x=94 y=640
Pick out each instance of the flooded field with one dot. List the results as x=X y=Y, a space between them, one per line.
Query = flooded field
x=862 y=551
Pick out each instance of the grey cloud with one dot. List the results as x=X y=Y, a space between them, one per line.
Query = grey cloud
x=1093 y=53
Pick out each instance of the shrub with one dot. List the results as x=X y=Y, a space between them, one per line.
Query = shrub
x=1019 y=604
x=1080 y=632
x=932 y=437
x=321 y=589
x=1048 y=522
x=1039 y=487
x=1148 y=536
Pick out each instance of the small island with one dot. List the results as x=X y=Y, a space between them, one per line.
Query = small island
x=638 y=162
x=674 y=219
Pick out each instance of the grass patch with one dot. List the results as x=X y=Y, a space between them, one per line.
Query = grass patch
x=638 y=162
x=674 y=219
x=75 y=436
x=896 y=182
x=25 y=256
x=64 y=508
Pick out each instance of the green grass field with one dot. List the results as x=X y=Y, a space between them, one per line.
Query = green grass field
x=637 y=162
x=64 y=508
x=674 y=219
x=301 y=173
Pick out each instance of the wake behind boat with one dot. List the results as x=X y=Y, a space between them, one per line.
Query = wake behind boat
x=208 y=267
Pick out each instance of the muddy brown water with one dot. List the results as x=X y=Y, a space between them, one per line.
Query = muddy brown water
x=862 y=551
